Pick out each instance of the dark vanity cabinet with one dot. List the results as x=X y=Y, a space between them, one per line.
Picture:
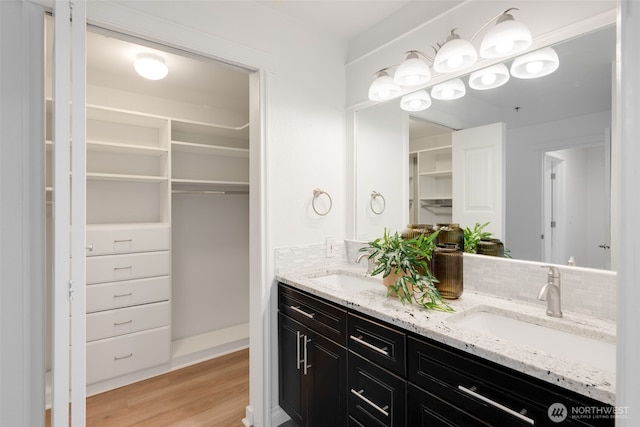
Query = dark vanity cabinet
x=312 y=360
x=339 y=368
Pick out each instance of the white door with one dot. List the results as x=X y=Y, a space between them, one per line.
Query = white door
x=478 y=177
x=68 y=199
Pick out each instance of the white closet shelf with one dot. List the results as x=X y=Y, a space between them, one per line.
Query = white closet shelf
x=91 y=176
x=202 y=182
x=437 y=173
x=114 y=147
x=217 y=150
x=433 y=150
x=121 y=225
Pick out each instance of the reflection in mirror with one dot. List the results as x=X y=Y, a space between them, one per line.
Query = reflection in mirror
x=570 y=108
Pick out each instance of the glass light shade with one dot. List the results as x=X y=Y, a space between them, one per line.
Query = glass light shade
x=506 y=38
x=452 y=89
x=489 y=78
x=151 y=67
x=412 y=72
x=456 y=54
x=535 y=64
x=416 y=101
x=383 y=88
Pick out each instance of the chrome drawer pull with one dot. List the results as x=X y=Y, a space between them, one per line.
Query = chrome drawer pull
x=122 y=357
x=359 y=340
x=496 y=404
x=123 y=241
x=123 y=295
x=129 y=267
x=122 y=323
x=382 y=410
x=304 y=313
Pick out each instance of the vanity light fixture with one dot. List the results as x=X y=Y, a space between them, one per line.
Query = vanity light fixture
x=489 y=78
x=536 y=64
x=383 y=87
x=413 y=71
x=456 y=54
x=151 y=67
x=449 y=90
x=507 y=37
x=416 y=101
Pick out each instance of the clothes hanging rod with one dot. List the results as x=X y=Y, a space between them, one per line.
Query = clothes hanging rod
x=209 y=192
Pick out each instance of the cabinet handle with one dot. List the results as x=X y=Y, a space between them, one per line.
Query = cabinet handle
x=298 y=360
x=122 y=323
x=123 y=295
x=122 y=357
x=306 y=341
x=304 y=313
x=360 y=395
x=496 y=404
x=359 y=340
x=129 y=267
x=123 y=240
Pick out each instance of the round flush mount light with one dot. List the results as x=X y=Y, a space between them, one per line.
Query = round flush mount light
x=150 y=67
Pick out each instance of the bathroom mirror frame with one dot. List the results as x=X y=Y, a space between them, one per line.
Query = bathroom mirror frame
x=355 y=229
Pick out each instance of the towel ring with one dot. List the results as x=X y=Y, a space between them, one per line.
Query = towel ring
x=317 y=193
x=374 y=196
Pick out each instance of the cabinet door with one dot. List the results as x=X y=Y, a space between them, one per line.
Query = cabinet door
x=427 y=410
x=290 y=375
x=326 y=380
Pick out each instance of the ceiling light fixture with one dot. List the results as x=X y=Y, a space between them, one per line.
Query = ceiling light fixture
x=449 y=90
x=416 y=101
x=150 y=66
x=383 y=87
x=536 y=64
x=489 y=78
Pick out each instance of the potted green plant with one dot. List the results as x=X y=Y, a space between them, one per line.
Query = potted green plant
x=472 y=238
x=404 y=265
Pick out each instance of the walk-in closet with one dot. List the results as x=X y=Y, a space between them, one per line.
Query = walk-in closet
x=167 y=208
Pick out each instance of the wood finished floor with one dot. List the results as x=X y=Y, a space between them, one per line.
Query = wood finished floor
x=212 y=394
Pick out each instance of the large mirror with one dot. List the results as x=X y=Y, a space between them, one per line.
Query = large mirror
x=556 y=158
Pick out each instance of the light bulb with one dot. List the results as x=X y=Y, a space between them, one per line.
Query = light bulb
x=534 y=67
x=503 y=47
x=488 y=79
x=447 y=93
x=455 y=61
x=415 y=103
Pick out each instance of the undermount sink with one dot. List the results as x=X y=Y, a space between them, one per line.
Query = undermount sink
x=589 y=351
x=349 y=282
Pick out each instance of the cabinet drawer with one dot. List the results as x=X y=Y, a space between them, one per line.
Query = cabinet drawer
x=378 y=343
x=487 y=390
x=319 y=315
x=118 y=240
x=376 y=396
x=107 y=296
x=112 y=357
x=428 y=410
x=112 y=323
x=112 y=268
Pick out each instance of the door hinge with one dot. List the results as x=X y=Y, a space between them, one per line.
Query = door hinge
x=553 y=224
x=71 y=291
x=553 y=175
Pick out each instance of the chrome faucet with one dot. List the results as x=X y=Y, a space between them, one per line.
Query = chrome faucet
x=370 y=262
x=550 y=292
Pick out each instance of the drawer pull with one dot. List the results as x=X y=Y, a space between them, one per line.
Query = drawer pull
x=496 y=404
x=123 y=357
x=298 y=361
x=304 y=313
x=129 y=267
x=123 y=241
x=123 y=295
x=122 y=323
x=359 y=340
x=360 y=395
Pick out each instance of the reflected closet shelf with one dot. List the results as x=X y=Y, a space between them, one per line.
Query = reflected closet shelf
x=112 y=147
x=195 y=148
x=91 y=176
x=182 y=184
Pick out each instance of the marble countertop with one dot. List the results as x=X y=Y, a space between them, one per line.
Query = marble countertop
x=597 y=383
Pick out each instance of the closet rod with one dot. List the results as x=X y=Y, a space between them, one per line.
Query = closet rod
x=209 y=192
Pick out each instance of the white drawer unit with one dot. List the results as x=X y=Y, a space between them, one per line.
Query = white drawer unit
x=107 y=296
x=112 y=268
x=115 y=239
x=112 y=323
x=113 y=357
